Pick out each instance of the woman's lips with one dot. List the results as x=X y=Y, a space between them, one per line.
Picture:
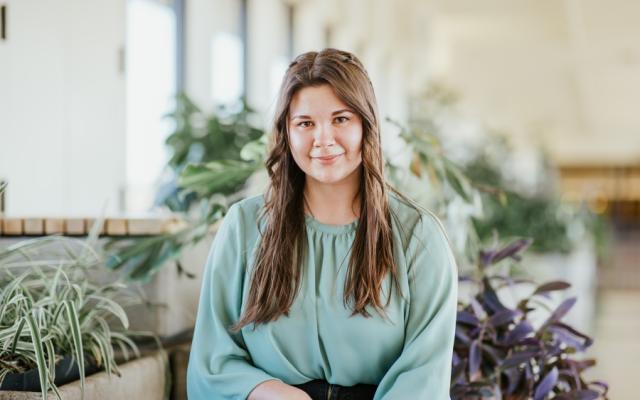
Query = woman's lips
x=327 y=159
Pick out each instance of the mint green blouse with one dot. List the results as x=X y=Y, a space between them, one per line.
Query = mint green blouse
x=407 y=355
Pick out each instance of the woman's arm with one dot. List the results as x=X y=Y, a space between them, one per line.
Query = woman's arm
x=276 y=390
x=220 y=367
x=423 y=369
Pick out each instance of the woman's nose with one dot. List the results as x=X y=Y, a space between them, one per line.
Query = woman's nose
x=324 y=135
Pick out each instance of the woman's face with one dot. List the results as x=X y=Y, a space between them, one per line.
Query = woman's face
x=325 y=134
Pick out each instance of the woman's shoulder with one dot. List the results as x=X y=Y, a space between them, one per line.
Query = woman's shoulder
x=250 y=205
x=244 y=214
x=426 y=238
x=410 y=218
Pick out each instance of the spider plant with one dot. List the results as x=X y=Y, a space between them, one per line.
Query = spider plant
x=51 y=307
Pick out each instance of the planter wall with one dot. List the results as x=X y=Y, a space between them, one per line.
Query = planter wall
x=176 y=294
x=66 y=371
x=144 y=378
x=578 y=267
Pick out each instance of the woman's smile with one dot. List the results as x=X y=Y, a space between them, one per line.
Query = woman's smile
x=326 y=160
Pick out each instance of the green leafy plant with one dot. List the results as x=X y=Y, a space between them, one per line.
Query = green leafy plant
x=139 y=258
x=200 y=138
x=507 y=209
x=50 y=308
x=439 y=183
x=213 y=156
x=215 y=185
x=540 y=215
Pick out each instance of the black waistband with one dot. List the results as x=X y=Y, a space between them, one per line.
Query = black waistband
x=322 y=390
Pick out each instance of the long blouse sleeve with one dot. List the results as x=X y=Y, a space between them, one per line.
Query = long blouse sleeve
x=219 y=365
x=423 y=369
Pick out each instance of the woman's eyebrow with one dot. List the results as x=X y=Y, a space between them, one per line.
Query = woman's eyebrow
x=301 y=116
x=341 y=111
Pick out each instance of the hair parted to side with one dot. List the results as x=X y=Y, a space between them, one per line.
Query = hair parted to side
x=277 y=271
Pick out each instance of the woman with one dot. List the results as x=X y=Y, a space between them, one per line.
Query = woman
x=331 y=285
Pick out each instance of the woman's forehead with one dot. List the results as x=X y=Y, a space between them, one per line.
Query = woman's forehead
x=316 y=100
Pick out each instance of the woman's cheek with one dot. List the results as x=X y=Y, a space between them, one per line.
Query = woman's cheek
x=354 y=143
x=299 y=146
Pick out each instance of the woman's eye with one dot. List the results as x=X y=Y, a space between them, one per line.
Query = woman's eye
x=341 y=120
x=305 y=124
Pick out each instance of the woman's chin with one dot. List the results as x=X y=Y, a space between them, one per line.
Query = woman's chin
x=328 y=178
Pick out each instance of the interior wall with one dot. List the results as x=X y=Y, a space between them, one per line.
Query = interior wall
x=62 y=107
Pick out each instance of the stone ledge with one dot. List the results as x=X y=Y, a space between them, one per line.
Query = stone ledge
x=18 y=226
x=144 y=378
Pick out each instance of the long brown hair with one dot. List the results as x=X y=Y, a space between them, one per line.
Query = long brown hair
x=277 y=271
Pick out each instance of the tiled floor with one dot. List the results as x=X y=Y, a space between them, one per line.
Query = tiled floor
x=617 y=328
x=622 y=271
x=617 y=343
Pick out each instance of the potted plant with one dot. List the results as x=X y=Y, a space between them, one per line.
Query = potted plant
x=56 y=323
x=200 y=138
x=500 y=352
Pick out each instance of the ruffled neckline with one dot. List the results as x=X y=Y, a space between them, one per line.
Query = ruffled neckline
x=327 y=228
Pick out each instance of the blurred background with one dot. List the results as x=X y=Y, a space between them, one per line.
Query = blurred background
x=98 y=116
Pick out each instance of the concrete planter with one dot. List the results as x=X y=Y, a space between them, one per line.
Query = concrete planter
x=578 y=267
x=144 y=378
x=176 y=295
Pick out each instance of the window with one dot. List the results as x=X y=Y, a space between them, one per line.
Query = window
x=150 y=90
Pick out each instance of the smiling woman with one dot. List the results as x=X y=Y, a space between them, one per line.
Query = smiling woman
x=325 y=137
x=282 y=315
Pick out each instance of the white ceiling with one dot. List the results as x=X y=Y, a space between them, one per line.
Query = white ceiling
x=566 y=73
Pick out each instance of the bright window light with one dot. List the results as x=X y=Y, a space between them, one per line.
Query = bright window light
x=226 y=68
x=151 y=86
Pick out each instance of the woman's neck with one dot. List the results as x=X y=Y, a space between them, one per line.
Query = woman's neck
x=334 y=203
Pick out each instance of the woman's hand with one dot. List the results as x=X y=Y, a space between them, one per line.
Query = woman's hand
x=276 y=390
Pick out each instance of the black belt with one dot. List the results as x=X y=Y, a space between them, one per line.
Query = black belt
x=322 y=390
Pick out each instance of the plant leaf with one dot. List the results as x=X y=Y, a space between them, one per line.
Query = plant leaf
x=551 y=286
x=74 y=325
x=39 y=351
x=546 y=384
x=561 y=310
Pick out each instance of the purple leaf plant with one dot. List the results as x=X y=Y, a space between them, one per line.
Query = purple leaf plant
x=499 y=354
